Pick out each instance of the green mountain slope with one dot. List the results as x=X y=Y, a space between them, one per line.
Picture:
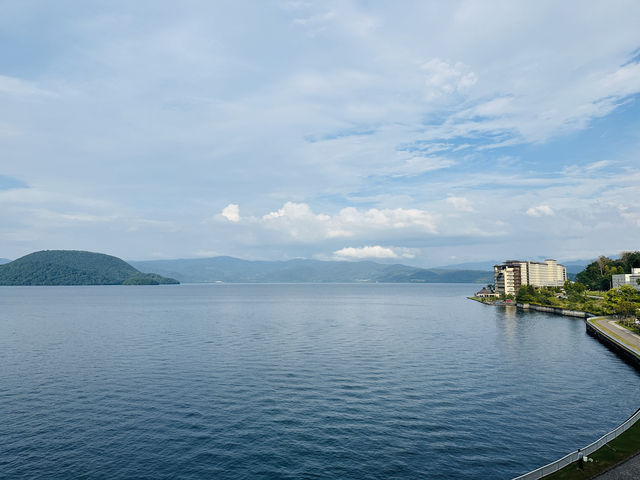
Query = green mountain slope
x=234 y=270
x=73 y=267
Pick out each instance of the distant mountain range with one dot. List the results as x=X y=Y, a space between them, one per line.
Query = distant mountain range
x=73 y=267
x=235 y=270
x=573 y=266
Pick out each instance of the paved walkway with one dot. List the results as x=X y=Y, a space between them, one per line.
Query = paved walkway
x=629 y=470
x=611 y=326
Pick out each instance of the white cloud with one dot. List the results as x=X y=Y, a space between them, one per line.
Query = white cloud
x=231 y=212
x=442 y=78
x=344 y=107
x=597 y=165
x=460 y=203
x=540 y=211
x=418 y=165
x=386 y=218
x=375 y=251
x=21 y=88
x=298 y=221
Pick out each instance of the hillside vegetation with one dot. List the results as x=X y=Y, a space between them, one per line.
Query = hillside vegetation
x=73 y=267
x=597 y=275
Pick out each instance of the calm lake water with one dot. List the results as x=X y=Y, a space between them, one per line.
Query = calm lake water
x=294 y=381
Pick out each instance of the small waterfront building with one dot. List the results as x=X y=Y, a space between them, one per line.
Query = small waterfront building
x=485 y=293
x=512 y=274
x=627 y=279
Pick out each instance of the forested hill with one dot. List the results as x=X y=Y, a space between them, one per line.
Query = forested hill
x=597 y=275
x=235 y=270
x=73 y=267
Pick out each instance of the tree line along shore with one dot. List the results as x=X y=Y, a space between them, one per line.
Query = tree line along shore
x=590 y=292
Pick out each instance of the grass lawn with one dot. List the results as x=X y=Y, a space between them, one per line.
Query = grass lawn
x=628 y=327
x=617 y=450
x=613 y=334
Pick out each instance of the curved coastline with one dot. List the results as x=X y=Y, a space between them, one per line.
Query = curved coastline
x=626 y=351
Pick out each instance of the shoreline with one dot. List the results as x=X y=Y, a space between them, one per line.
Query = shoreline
x=567 y=312
x=624 y=350
x=612 y=341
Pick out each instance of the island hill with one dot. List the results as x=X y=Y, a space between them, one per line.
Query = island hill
x=73 y=267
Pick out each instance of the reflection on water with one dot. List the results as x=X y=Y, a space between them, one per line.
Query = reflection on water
x=510 y=312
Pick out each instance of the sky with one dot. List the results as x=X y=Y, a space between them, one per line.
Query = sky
x=419 y=132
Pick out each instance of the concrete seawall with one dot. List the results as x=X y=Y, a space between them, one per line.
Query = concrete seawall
x=627 y=352
x=541 y=308
x=555 y=310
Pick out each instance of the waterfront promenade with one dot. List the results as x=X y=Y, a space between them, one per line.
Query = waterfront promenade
x=616 y=457
x=628 y=470
x=613 y=328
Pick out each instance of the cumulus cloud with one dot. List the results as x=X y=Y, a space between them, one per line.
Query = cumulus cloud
x=397 y=218
x=409 y=93
x=540 y=211
x=300 y=222
x=374 y=251
x=231 y=212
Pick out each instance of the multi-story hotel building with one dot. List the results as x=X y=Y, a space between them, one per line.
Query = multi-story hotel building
x=512 y=274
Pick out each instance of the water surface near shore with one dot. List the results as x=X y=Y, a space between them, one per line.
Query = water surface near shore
x=295 y=381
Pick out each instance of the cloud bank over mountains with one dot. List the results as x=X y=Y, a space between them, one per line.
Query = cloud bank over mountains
x=429 y=132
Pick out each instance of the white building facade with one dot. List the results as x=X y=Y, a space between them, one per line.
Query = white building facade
x=512 y=274
x=626 y=279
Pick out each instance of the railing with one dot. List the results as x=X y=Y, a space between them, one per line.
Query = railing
x=589 y=449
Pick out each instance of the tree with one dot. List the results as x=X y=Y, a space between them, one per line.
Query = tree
x=575 y=291
x=602 y=263
x=526 y=294
x=597 y=275
x=629 y=261
x=623 y=302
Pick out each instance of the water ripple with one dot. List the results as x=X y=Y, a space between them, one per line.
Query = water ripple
x=294 y=381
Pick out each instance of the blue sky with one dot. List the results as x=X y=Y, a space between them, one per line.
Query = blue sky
x=426 y=133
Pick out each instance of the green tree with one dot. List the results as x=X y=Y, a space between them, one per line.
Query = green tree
x=623 y=302
x=630 y=260
x=575 y=292
x=597 y=275
x=526 y=294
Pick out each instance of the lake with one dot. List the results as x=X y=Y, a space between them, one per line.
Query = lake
x=381 y=381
